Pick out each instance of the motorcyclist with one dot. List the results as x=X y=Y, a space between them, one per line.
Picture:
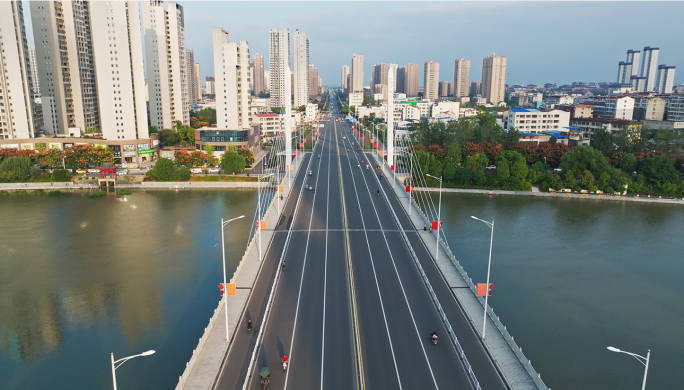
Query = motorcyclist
x=283 y=265
x=378 y=192
x=433 y=336
x=284 y=359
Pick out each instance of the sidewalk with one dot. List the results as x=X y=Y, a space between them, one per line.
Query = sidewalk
x=259 y=156
x=506 y=354
x=204 y=365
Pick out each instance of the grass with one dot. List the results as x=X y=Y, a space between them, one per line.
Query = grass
x=98 y=194
x=222 y=178
x=54 y=193
x=19 y=192
x=124 y=191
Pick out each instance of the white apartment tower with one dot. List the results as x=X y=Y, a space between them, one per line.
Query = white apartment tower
x=357 y=73
x=17 y=118
x=192 y=80
x=34 y=69
x=166 y=65
x=461 y=77
x=431 y=80
x=231 y=77
x=198 y=80
x=300 y=69
x=279 y=62
x=649 y=67
x=494 y=78
x=665 y=81
x=258 y=74
x=343 y=80
x=629 y=67
x=101 y=83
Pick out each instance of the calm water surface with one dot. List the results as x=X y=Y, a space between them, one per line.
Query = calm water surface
x=80 y=278
x=574 y=276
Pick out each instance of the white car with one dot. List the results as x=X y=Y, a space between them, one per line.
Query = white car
x=91 y=170
x=122 y=171
x=491 y=167
x=214 y=170
x=196 y=170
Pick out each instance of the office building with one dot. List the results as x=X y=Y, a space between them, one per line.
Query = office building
x=313 y=83
x=649 y=68
x=461 y=77
x=193 y=98
x=279 y=63
x=258 y=74
x=379 y=77
x=494 y=78
x=101 y=84
x=34 y=69
x=301 y=80
x=231 y=72
x=165 y=53
x=343 y=77
x=665 y=80
x=431 y=80
x=17 y=116
x=357 y=73
x=411 y=80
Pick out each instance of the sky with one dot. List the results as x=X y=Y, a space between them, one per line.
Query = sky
x=556 y=42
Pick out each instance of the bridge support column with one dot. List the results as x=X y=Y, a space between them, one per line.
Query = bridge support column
x=288 y=125
x=391 y=77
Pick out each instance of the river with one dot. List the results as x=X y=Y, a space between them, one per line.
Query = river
x=80 y=278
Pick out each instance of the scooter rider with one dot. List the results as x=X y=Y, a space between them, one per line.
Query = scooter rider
x=434 y=337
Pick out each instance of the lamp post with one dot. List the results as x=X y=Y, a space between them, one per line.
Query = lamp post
x=410 y=183
x=489 y=267
x=641 y=359
x=223 y=251
x=124 y=360
x=439 y=213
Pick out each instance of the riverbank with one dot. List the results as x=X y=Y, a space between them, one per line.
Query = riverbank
x=50 y=186
x=626 y=198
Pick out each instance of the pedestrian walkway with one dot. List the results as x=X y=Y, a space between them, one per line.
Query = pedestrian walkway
x=506 y=354
x=205 y=364
x=259 y=156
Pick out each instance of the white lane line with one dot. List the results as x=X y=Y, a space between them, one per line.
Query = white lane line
x=301 y=281
x=325 y=272
x=375 y=275
x=415 y=326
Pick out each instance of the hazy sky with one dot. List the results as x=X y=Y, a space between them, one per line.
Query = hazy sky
x=557 y=42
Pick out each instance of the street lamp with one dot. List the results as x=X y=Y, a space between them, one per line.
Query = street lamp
x=489 y=267
x=639 y=358
x=439 y=213
x=124 y=360
x=223 y=251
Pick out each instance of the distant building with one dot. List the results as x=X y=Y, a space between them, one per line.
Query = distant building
x=357 y=73
x=612 y=107
x=231 y=69
x=431 y=80
x=629 y=67
x=649 y=67
x=475 y=88
x=355 y=99
x=461 y=77
x=379 y=76
x=313 y=82
x=258 y=74
x=411 y=80
x=535 y=121
x=311 y=112
x=582 y=129
x=279 y=63
x=675 y=108
x=650 y=108
x=210 y=84
x=34 y=69
x=343 y=77
x=302 y=70
x=193 y=98
x=494 y=78
x=665 y=82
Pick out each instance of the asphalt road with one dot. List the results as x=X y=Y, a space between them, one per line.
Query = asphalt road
x=345 y=227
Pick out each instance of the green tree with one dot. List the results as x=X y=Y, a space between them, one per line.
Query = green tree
x=455 y=153
x=658 y=170
x=60 y=175
x=248 y=155
x=436 y=168
x=519 y=168
x=449 y=171
x=628 y=163
x=477 y=163
x=585 y=158
x=352 y=109
x=588 y=181
x=169 y=137
x=502 y=170
x=232 y=162
x=166 y=170
x=209 y=149
x=603 y=141
x=16 y=169
x=277 y=110
x=302 y=108
x=50 y=158
x=152 y=129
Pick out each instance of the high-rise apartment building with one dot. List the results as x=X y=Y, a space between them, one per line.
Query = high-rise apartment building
x=34 y=69
x=167 y=79
x=649 y=67
x=17 y=117
x=379 y=77
x=475 y=88
x=357 y=73
x=279 y=62
x=431 y=80
x=267 y=81
x=461 y=77
x=90 y=65
x=349 y=83
x=401 y=80
x=629 y=67
x=313 y=82
x=665 y=80
x=210 y=85
x=300 y=69
x=411 y=80
x=231 y=75
x=443 y=87
x=343 y=78
x=258 y=74
x=190 y=71
x=494 y=78
x=198 y=81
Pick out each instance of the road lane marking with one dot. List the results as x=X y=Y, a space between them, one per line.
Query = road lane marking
x=325 y=270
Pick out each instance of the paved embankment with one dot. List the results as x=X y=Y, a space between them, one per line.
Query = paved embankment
x=511 y=363
x=185 y=185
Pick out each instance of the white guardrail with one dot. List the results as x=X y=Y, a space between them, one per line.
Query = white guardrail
x=536 y=377
x=450 y=330
x=183 y=378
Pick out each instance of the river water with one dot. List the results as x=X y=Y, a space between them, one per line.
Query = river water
x=80 y=278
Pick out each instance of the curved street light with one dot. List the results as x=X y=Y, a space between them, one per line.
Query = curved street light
x=124 y=360
x=639 y=358
x=223 y=252
x=439 y=213
x=489 y=267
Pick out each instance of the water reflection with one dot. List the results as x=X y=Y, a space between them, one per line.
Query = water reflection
x=82 y=277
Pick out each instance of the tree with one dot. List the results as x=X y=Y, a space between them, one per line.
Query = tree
x=209 y=149
x=658 y=170
x=60 y=175
x=152 y=129
x=449 y=171
x=166 y=170
x=585 y=158
x=232 y=162
x=16 y=169
x=502 y=170
x=84 y=156
x=248 y=155
x=588 y=181
x=454 y=154
x=169 y=137
x=628 y=163
x=519 y=169
x=352 y=109
x=275 y=109
x=366 y=101
x=302 y=108
x=436 y=168
x=50 y=158
x=603 y=141
x=182 y=158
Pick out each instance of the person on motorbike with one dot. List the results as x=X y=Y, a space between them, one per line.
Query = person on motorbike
x=433 y=336
x=378 y=192
x=283 y=265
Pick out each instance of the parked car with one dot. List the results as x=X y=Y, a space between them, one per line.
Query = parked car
x=122 y=171
x=214 y=170
x=81 y=171
x=491 y=167
x=557 y=170
x=196 y=170
x=93 y=170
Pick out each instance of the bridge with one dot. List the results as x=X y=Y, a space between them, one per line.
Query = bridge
x=360 y=293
